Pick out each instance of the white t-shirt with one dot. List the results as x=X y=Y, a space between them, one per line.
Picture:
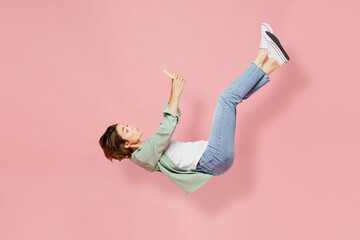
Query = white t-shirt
x=186 y=155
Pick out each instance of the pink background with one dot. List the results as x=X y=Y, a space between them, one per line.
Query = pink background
x=69 y=69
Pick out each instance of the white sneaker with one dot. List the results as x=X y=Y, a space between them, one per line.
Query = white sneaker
x=276 y=51
x=264 y=27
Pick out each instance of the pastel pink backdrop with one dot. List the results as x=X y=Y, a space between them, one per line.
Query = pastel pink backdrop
x=69 y=69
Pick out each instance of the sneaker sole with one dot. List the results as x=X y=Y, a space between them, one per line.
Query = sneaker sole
x=278 y=45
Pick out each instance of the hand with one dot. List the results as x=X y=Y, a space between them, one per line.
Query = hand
x=177 y=84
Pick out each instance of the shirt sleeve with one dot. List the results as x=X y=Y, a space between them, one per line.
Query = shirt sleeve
x=150 y=151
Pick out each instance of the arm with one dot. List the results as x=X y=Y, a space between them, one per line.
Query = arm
x=174 y=102
x=176 y=89
x=150 y=151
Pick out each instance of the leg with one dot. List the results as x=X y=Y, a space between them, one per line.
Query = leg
x=275 y=56
x=261 y=83
x=218 y=157
x=268 y=66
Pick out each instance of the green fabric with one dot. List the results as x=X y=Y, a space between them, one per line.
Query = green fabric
x=151 y=156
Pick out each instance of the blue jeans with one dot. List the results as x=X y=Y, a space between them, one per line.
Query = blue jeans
x=219 y=155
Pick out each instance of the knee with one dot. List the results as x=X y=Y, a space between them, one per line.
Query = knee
x=226 y=93
x=229 y=98
x=223 y=96
x=225 y=99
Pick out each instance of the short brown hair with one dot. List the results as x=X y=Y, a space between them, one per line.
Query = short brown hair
x=113 y=145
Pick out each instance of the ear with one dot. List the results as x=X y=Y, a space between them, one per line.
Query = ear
x=127 y=145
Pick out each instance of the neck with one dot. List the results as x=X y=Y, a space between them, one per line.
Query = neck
x=136 y=146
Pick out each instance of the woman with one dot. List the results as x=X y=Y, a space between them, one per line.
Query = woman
x=191 y=164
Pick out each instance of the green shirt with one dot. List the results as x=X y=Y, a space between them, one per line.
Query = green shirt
x=151 y=155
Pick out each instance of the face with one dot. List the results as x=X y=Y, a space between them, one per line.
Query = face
x=130 y=134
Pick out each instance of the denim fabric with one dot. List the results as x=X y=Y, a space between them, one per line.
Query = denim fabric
x=258 y=85
x=219 y=155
